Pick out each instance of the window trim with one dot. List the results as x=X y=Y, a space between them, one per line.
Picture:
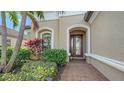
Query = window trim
x=47 y=33
x=43 y=29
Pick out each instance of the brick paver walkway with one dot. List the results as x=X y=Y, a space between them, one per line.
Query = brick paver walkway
x=79 y=70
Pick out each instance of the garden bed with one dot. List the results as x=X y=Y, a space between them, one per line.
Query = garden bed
x=60 y=71
x=33 y=71
x=48 y=68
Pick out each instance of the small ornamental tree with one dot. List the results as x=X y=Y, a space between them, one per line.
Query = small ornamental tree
x=35 y=46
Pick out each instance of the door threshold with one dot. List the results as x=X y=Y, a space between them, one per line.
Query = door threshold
x=77 y=57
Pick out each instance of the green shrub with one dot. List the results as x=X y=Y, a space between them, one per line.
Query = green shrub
x=55 y=55
x=22 y=56
x=33 y=71
x=41 y=70
x=9 y=77
x=9 y=53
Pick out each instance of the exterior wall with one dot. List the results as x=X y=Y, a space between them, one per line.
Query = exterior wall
x=107 y=37
x=108 y=71
x=12 y=39
x=53 y=24
x=12 y=36
x=30 y=33
x=60 y=27
x=65 y=23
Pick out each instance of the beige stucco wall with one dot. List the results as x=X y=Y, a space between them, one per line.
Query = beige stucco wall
x=107 y=35
x=30 y=33
x=44 y=26
x=60 y=27
x=52 y=24
x=66 y=22
x=12 y=39
x=108 y=71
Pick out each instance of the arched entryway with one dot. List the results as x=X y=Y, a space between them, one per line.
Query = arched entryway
x=47 y=34
x=78 y=41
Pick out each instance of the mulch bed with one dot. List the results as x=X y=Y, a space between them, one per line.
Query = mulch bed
x=60 y=71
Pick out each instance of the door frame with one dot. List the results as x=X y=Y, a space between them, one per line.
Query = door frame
x=68 y=30
x=82 y=54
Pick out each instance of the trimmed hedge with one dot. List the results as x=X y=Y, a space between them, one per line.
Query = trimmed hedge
x=55 y=55
x=33 y=71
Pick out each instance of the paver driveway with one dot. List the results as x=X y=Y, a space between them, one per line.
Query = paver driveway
x=79 y=70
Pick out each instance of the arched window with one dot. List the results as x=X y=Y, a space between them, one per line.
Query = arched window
x=47 y=34
x=47 y=40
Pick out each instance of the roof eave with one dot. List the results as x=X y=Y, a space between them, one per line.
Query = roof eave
x=88 y=15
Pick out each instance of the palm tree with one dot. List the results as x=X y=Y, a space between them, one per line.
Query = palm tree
x=60 y=12
x=18 y=44
x=4 y=39
x=14 y=20
x=34 y=26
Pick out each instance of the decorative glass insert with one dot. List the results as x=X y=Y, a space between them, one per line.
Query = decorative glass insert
x=78 y=45
x=47 y=40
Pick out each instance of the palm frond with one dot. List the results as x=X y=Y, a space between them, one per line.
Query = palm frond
x=13 y=18
x=31 y=12
x=40 y=14
x=34 y=25
x=60 y=12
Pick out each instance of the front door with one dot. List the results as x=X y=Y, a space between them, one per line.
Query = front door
x=76 y=45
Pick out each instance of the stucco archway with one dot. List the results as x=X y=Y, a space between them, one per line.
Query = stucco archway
x=87 y=36
x=52 y=34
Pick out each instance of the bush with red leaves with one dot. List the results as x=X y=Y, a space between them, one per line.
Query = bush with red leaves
x=34 y=45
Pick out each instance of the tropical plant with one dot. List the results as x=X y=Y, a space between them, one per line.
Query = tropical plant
x=34 y=46
x=8 y=67
x=32 y=71
x=22 y=56
x=35 y=26
x=13 y=18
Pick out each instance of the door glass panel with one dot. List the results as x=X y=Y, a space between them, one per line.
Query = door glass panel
x=72 y=41
x=78 y=45
x=75 y=45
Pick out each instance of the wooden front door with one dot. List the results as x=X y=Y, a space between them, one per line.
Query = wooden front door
x=76 y=45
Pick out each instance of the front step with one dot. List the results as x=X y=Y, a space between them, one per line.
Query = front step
x=77 y=57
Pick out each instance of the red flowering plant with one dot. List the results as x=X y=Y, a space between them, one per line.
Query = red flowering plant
x=35 y=46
